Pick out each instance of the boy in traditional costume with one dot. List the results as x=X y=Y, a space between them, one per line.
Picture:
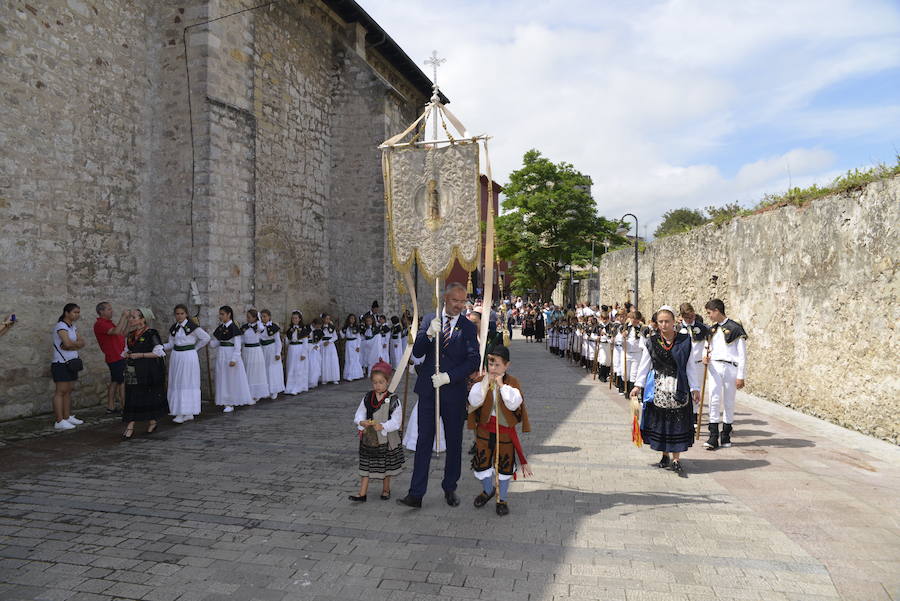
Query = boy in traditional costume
x=484 y=398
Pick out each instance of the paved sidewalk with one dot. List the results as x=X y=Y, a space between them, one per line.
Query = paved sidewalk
x=253 y=505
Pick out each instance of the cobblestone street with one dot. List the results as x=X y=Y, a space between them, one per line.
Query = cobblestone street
x=253 y=506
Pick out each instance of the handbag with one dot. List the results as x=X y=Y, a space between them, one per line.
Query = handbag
x=73 y=365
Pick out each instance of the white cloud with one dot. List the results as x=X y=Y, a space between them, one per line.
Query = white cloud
x=643 y=97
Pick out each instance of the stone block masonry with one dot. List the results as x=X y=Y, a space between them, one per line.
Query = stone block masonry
x=275 y=201
x=816 y=288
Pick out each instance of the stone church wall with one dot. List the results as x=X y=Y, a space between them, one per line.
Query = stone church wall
x=96 y=200
x=816 y=288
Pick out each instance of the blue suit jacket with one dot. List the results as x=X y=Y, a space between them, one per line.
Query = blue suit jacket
x=459 y=359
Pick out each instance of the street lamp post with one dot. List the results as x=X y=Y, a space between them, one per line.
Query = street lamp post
x=635 y=254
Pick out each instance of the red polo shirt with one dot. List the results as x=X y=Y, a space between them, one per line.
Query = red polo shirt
x=112 y=345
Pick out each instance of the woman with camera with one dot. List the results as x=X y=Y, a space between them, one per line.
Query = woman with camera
x=65 y=366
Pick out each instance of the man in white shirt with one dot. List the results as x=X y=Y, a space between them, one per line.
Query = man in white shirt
x=727 y=361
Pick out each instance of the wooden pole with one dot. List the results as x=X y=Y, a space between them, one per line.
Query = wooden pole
x=702 y=392
x=496 y=403
x=595 y=368
x=437 y=366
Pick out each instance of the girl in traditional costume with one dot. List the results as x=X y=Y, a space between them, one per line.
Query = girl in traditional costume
x=185 y=339
x=297 y=338
x=384 y=333
x=497 y=389
x=666 y=424
x=352 y=348
x=378 y=419
x=315 y=352
x=331 y=367
x=371 y=340
x=633 y=347
x=270 y=340
x=254 y=360
x=232 y=387
x=396 y=343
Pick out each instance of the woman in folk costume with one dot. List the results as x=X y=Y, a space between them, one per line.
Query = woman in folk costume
x=270 y=340
x=378 y=419
x=352 y=349
x=633 y=347
x=185 y=338
x=297 y=338
x=369 y=343
x=315 y=352
x=667 y=423
x=232 y=387
x=331 y=366
x=396 y=343
x=254 y=360
x=497 y=389
x=145 y=375
x=539 y=326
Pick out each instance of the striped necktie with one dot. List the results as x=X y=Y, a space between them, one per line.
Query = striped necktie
x=446 y=331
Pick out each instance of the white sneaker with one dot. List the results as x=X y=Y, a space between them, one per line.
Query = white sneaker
x=178 y=419
x=187 y=418
x=74 y=420
x=228 y=409
x=64 y=425
x=273 y=396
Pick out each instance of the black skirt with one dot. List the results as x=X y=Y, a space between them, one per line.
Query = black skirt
x=378 y=462
x=668 y=430
x=145 y=402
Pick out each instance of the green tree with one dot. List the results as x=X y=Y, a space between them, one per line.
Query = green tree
x=726 y=212
x=549 y=221
x=679 y=220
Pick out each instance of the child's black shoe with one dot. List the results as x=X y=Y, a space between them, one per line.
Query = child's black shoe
x=502 y=508
x=482 y=499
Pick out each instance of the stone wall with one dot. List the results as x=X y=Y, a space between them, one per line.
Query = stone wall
x=286 y=211
x=814 y=286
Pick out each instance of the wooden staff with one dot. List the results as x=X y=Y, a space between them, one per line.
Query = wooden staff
x=595 y=368
x=496 y=438
x=405 y=394
x=625 y=361
x=702 y=392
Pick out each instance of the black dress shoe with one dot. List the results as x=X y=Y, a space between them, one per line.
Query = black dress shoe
x=452 y=498
x=663 y=462
x=357 y=498
x=502 y=508
x=410 y=501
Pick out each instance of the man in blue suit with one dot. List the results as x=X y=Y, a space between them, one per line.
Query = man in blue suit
x=458 y=341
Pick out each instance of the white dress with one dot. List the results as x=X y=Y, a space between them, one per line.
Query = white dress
x=371 y=341
x=634 y=347
x=297 y=356
x=396 y=346
x=254 y=361
x=604 y=356
x=315 y=358
x=184 y=368
x=270 y=340
x=331 y=366
x=232 y=387
x=384 y=350
x=411 y=434
x=618 y=353
x=352 y=353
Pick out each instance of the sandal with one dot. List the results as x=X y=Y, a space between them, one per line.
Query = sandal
x=385 y=495
x=152 y=427
x=128 y=433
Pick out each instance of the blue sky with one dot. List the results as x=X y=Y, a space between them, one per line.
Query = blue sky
x=673 y=103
